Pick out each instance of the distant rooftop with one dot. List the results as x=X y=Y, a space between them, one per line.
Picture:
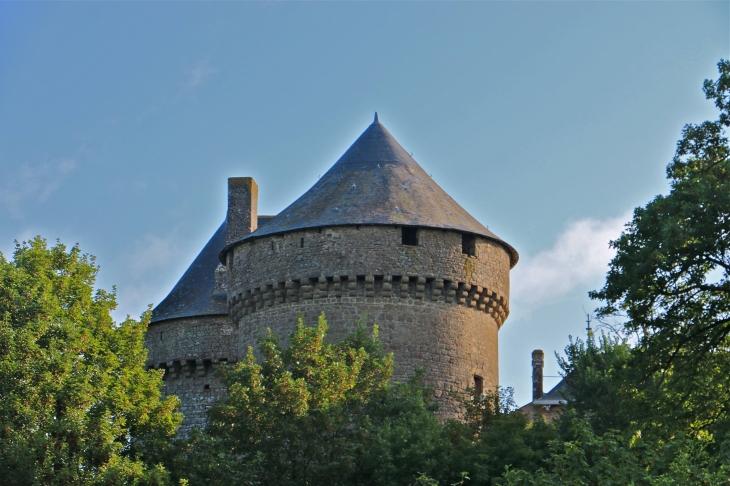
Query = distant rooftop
x=557 y=396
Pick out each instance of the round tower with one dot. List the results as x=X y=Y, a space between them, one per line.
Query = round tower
x=376 y=236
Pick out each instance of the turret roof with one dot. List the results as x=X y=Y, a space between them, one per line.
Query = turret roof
x=376 y=182
x=195 y=292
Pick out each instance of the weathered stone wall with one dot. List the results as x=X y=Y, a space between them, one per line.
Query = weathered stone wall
x=189 y=350
x=366 y=250
x=548 y=413
x=437 y=307
x=454 y=343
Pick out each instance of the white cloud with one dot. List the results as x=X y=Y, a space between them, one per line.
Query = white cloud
x=196 y=75
x=579 y=258
x=33 y=184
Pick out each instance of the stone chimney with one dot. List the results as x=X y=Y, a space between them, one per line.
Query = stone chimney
x=538 y=364
x=243 y=210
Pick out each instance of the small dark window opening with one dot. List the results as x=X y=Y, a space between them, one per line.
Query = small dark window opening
x=301 y=242
x=160 y=336
x=478 y=385
x=409 y=236
x=206 y=387
x=468 y=245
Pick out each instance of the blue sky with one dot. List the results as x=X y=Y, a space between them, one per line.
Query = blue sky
x=548 y=121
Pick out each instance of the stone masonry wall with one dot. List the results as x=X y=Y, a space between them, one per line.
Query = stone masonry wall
x=366 y=250
x=189 y=350
x=453 y=343
x=437 y=307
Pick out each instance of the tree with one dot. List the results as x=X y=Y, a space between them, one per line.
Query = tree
x=76 y=404
x=612 y=459
x=608 y=432
x=328 y=414
x=602 y=383
x=670 y=275
x=289 y=419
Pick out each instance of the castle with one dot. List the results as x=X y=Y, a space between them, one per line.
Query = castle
x=375 y=236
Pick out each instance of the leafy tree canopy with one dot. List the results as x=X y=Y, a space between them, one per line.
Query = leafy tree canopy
x=656 y=413
x=612 y=431
x=611 y=459
x=76 y=405
x=670 y=275
x=328 y=414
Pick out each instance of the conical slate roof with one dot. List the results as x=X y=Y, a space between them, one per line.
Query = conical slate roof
x=194 y=294
x=376 y=182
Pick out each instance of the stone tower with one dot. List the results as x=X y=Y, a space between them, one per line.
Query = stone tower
x=375 y=236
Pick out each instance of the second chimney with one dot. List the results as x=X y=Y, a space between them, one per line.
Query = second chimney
x=243 y=210
x=538 y=364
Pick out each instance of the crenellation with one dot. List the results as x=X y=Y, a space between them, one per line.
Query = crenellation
x=322 y=288
x=373 y=286
x=369 y=286
x=337 y=285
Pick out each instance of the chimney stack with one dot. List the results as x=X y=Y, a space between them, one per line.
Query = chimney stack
x=538 y=364
x=243 y=210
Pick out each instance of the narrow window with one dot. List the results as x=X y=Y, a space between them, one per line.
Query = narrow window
x=478 y=385
x=160 y=336
x=301 y=242
x=409 y=236
x=468 y=244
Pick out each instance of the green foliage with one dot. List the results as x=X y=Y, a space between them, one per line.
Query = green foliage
x=611 y=432
x=328 y=414
x=611 y=459
x=289 y=419
x=492 y=435
x=670 y=276
x=76 y=404
x=657 y=413
x=601 y=383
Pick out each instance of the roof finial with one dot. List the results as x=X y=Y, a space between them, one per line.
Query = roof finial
x=376 y=118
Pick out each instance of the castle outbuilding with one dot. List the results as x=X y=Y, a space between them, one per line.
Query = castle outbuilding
x=375 y=236
x=548 y=406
